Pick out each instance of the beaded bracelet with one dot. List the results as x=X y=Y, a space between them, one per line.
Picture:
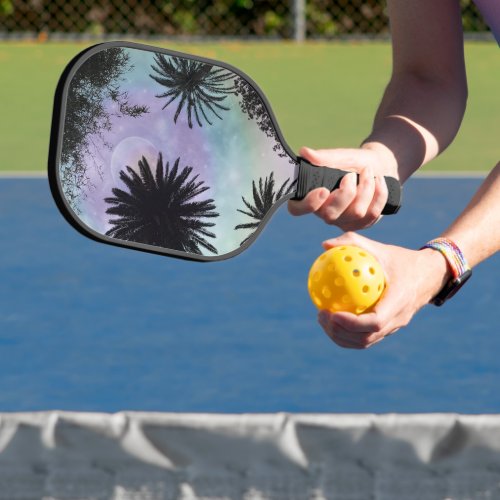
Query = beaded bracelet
x=452 y=254
x=460 y=269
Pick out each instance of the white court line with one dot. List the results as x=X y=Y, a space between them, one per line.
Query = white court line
x=25 y=174
x=453 y=174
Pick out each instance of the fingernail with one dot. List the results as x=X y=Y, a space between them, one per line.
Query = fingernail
x=324 y=194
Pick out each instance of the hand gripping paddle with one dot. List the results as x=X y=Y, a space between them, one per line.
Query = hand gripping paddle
x=170 y=153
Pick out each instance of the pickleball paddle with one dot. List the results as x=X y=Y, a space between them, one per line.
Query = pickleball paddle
x=171 y=153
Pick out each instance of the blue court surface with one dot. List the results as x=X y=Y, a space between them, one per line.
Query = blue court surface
x=91 y=327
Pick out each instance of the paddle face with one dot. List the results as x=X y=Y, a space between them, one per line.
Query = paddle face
x=164 y=152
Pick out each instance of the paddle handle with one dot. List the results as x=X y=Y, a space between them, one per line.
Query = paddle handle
x=311 y=177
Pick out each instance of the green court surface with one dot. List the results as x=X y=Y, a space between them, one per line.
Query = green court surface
x=323 y=94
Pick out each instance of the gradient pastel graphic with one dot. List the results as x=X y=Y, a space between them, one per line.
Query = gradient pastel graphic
x=228 y=156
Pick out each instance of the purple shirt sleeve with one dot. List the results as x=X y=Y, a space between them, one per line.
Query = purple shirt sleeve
x=490 y=9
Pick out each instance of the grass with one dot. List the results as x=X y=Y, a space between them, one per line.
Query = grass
x=323 y=94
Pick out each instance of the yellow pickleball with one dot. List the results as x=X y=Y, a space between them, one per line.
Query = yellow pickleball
x=346 y=278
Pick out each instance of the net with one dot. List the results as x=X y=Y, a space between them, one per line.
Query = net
x=205 y=18
x=153 y=456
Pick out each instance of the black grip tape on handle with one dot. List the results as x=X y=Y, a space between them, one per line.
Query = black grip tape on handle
x=312 y=177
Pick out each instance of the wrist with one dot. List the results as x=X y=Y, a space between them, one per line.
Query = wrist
x=437 y=272
x=386 y=157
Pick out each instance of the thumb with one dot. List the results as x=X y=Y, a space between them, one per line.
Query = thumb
x=339 y=157
x=311 y=155
x=349 y=238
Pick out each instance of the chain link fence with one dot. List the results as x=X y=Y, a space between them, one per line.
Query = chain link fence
x=287 y=19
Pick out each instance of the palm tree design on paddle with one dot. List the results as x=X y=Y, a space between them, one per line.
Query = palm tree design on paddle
x=95 y=101
x=264 y=198
x=159 y=209
x=200 y=87
x=253 y=106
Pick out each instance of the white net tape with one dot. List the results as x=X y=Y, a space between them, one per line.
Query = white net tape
x=160 y=456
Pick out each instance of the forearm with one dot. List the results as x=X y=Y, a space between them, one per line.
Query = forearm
x=477 y=230
x=424 y=103
x=416 y=120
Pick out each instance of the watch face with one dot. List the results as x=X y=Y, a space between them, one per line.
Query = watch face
x=451 y=288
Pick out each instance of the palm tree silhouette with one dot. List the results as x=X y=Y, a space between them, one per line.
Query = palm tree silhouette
x=89 y=119
x=252 y=104
x=200 y=87
x=264 y=198
x=158 y=209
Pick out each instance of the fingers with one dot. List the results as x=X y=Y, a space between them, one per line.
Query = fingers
x=364 y=195
x=365 y=208
x=368 y=323
x=338 y=158
x=310 y=204
x=355 y=332
x=336 y=203
x=380 y=196
x=352 y=238
x=351 y=206
x=354 y=205
x=339 y=337
x=320 y=197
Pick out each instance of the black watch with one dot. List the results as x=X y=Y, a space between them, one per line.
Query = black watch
x=451 y=288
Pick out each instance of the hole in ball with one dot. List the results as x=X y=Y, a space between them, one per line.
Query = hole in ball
x=366 y=289
x=356 y=273
x=317 y=300
x=348 y=258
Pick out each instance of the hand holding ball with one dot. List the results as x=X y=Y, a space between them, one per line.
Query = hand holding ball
x=346 y=278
